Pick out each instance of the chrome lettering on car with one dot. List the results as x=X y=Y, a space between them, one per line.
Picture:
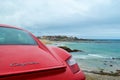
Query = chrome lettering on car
x=23 y=64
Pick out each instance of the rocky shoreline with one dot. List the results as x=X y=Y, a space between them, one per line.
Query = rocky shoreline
x=99 y=74
x=91 y=76
x=117 y=73
x=69 y=50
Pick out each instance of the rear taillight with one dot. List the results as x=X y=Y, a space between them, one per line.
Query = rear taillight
x=73 y=65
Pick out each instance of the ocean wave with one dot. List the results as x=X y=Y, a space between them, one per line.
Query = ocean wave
x=96 y=56
x=89 y=56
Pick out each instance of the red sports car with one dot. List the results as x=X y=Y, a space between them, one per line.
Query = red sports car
x=24 y=57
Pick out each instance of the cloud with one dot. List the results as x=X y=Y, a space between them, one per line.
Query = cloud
x=47 y=11
x=59 y=16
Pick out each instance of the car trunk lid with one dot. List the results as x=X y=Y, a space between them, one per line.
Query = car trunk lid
x=17 y=59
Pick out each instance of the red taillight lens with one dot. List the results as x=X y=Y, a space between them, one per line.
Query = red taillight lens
x=73 y=65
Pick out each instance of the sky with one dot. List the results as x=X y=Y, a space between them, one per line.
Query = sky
x=93 y=19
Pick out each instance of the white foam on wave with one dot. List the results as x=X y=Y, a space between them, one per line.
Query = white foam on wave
x=58 y=44
x=81 y=57
x=89 y=56
x=96 y=56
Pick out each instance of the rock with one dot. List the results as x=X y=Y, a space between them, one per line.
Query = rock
x=69 y=50
x=104 y=73
x=75 y=50
x=116 y=58
x=118 y=71
x=111 y=65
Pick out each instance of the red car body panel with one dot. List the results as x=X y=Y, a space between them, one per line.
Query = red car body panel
x=35 y=62
x=41 y=59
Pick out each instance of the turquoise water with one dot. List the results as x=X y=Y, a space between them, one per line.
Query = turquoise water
x=97 y=55
x=100 y=50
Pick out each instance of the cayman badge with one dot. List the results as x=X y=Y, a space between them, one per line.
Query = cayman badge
x=23 y=64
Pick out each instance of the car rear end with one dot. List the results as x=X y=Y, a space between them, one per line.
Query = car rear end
x=42 y=69
x=29 y=59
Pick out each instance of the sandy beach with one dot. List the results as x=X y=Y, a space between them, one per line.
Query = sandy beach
x=90 y=76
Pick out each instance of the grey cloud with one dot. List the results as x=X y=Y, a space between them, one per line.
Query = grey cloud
x=63 y=16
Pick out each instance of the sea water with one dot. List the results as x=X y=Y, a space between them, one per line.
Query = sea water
x=97 y=55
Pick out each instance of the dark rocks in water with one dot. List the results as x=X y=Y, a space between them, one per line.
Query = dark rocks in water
x=102 y=71
x=118 y=71
x=69 y=50
x=111 y=65
x=75 y=50
x=116 y=58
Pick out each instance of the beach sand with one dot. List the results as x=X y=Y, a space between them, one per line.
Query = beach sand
x=47 y=42
x=91 y=76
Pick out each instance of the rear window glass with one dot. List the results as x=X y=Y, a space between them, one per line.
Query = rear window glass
x=11 y=36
